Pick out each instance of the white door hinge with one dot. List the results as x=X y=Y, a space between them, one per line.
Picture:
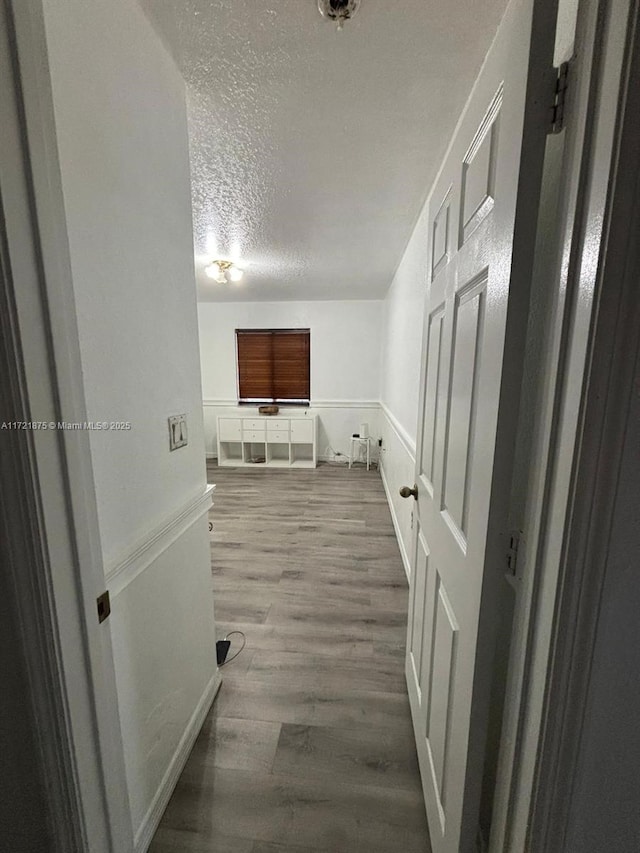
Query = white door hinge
x=512 y=552
x=557 y=119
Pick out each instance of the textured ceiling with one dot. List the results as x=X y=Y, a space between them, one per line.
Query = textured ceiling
x=313 y=150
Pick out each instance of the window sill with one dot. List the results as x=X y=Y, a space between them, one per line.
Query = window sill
x=284 y=404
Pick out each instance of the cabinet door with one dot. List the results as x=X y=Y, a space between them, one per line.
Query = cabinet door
x=302 y=431
x=229 y=429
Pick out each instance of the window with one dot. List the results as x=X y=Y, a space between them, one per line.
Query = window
x=273 y=365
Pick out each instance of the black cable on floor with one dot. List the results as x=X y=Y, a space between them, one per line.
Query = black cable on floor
x=244 y=643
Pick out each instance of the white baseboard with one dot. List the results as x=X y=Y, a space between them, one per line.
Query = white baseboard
x=396 y=527
x=147 y=828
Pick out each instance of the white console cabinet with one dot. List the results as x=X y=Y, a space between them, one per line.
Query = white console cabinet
x=267 y=441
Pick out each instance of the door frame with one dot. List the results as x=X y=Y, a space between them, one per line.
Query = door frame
x=612 y=222
x=549 y=668
x=48 y=495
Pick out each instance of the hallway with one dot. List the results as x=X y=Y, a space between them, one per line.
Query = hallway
x=309 y=745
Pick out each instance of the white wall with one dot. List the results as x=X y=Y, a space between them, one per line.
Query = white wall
x=403 y=311
x=345 y=361
x=122 y=136
x=365 y=366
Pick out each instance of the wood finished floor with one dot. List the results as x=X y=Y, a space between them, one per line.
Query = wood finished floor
x=309 y=745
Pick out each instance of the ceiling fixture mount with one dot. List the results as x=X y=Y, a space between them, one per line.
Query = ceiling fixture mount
x=223 y=271
x=338 y=11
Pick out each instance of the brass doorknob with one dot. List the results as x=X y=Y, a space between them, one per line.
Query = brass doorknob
x=406 y=492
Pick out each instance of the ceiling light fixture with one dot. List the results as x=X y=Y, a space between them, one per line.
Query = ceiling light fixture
x=235 y=274
x=223 y=271
x=338 y=11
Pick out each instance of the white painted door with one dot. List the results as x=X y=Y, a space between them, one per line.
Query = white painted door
x=482 y=217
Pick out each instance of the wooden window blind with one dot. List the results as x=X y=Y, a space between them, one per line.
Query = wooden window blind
x=274 y=365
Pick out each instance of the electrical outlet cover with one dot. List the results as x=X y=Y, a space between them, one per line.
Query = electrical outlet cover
x=177 y=431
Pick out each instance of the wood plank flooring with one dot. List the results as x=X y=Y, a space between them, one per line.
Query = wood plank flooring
x=309 y=745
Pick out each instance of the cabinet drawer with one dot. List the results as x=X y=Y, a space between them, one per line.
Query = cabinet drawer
x=254 y=426
x=301 y=432
x=229 y=429
x=253 y=435
x=278 y=424
x=274 y=437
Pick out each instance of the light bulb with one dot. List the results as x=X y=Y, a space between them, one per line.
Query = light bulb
x=212 y=271
x=235 y=274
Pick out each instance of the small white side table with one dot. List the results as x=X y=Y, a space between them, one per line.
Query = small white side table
x=356 y=441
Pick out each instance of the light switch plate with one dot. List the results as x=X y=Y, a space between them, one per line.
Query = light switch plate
x=177 y=431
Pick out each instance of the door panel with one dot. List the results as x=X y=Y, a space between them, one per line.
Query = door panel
x=463 y=434
x=430 y=412
x=444 y=649
x=466 y=346
x=417 y=635
x=430 y=600
x=441 y=236
x=479 y=172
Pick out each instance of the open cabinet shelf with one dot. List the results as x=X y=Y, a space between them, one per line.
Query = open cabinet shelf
x=277 y=442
